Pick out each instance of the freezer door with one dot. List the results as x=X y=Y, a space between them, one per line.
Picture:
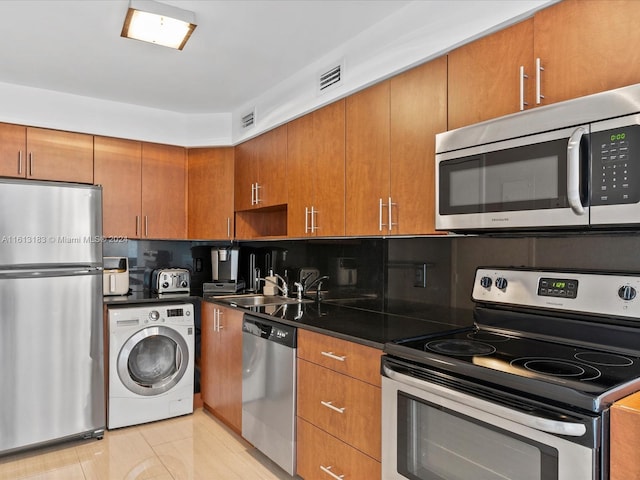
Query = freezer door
x=49 y=223
x=51 y=357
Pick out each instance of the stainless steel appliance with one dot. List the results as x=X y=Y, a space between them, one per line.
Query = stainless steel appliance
x=574 y=164
x=115 y=279
x=224 y=268
x=51 y=332
x=171 y=280
x=269 y=389
x=523 y=394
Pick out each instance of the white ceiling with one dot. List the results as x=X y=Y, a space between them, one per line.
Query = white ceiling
x=239 y=48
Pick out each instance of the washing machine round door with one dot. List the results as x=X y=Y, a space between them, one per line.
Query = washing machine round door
x=153 y=360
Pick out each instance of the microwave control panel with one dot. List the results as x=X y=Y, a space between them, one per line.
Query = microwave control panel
x=615 y=176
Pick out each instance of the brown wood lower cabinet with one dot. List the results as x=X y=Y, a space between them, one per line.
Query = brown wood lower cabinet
x=343 y=406
x=625 y=438
x=221 y=363
x=320 y=453
x=339 y=408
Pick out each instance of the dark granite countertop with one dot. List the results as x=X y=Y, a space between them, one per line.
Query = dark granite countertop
x=147 y=297
x=355 y=322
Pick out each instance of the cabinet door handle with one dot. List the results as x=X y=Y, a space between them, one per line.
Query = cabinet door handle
x=20 y=162
x=253 y=190
x=30 y=164
x=523 y=76
x=539 y=70
x=306 y=219
x=137 y=225
x=146 y=225
x=340 y=358
x=228 y=227
x=380 y=206
x=314 y=215
x=220 y=326
x=328 y=471
x=332 y=406
x=391 y=224
x=258 y=187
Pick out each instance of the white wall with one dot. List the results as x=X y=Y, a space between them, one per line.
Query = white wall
x=405 y=39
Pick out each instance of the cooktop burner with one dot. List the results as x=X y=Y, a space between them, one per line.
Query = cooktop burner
x=460 y=347
x=557 y=368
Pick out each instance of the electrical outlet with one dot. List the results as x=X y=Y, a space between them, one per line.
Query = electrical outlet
x=420 y=280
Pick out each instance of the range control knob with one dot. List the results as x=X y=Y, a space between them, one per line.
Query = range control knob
x=154 y=315
x=627 y=292
x=501 y=283
x=486 y=282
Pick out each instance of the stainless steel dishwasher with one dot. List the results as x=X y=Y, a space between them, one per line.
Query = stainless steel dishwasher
x=269 y=389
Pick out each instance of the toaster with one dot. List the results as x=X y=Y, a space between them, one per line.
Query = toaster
x=171 y=280
x=115 y=276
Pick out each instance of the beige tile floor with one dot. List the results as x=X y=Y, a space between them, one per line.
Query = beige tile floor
x=194 y=446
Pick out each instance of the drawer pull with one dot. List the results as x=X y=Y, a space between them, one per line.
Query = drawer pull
x=334 y=356
x=332 y=407
x=328 y=471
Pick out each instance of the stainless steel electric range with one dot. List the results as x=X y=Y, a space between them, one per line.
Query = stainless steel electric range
x=524 y=393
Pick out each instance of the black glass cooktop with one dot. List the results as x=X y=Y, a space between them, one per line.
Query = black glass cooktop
x=534 y=366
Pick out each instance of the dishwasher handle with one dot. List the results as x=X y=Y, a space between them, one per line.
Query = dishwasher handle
x=277 y=332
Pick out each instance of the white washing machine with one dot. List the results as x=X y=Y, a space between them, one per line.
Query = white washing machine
x=151 y=363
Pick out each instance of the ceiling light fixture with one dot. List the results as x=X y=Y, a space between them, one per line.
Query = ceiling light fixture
x=158 y=23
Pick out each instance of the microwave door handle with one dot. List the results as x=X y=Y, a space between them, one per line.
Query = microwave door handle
x=573 y=170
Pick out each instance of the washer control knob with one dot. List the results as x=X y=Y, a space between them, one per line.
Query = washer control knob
x=184 y=284
x=154 y=315
x=501 y=283
x=165 y=284
x=486 y=282
x=627 y=292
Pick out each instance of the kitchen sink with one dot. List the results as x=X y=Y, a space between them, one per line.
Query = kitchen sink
x=260 y=300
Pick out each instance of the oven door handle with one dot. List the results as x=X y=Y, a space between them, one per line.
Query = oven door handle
x=543 y=424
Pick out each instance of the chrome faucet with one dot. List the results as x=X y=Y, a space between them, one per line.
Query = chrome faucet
x=284 y=288
x=318 y=284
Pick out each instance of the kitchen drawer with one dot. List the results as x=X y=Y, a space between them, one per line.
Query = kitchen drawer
x=342 y=406
x=318 y=450
x=346 y=357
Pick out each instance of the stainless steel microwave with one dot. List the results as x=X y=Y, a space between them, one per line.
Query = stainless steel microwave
x=570 y=165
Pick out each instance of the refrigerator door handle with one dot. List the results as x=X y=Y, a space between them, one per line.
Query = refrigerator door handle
x=30 y=272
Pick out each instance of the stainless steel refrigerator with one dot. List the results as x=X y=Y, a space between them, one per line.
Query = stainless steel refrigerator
x=51 y=331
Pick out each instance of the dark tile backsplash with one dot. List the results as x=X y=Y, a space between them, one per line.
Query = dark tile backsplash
x=390 y=271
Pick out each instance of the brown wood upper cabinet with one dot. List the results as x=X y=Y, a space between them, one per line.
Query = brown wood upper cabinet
x=43 y=154
x=570 y=49
x=144 y=188
x=261 y=171
x=118 y=168
x=210 y=173
x=315 y=173
x=390 y=158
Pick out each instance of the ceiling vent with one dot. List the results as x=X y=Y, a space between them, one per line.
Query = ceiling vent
x=249 y=119
x=331 y=78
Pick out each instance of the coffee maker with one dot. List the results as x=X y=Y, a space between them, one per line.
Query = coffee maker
x=224 y=271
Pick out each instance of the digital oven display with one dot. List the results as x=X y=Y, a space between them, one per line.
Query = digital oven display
x=175 y=312
x=558 y=287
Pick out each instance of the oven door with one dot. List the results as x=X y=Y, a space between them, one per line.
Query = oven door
x=434 y=432
x=530 y=182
